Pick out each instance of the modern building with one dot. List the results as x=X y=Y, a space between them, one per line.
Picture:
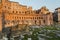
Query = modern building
x=13 y=13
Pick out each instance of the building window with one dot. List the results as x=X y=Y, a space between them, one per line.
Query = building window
x=9 y=8
x=19 y=12
x=13 y=11
x=20 y=17
x=40 y=22
x=35 y=17
x=15 y=17
x=44 y=21
x=25 y=12
x=8 y=23
x=5 y=6
x=39 y=17
x=22 y=12
x=31 y=12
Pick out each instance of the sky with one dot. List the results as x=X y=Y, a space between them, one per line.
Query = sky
x=37 y=4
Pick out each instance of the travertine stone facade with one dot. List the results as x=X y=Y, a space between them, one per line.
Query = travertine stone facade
x=16 y=13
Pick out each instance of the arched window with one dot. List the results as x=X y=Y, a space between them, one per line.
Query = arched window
x=44 y=21
x=19 y=12
x=13 y=11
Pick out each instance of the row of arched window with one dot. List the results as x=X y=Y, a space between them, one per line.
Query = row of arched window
x=20 y=12
x=33 y=18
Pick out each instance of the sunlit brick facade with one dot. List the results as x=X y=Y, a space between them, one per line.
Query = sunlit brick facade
x=16 y=13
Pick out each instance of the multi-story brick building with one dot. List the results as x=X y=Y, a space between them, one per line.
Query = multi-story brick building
x=57 y=15
x=15 y=13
